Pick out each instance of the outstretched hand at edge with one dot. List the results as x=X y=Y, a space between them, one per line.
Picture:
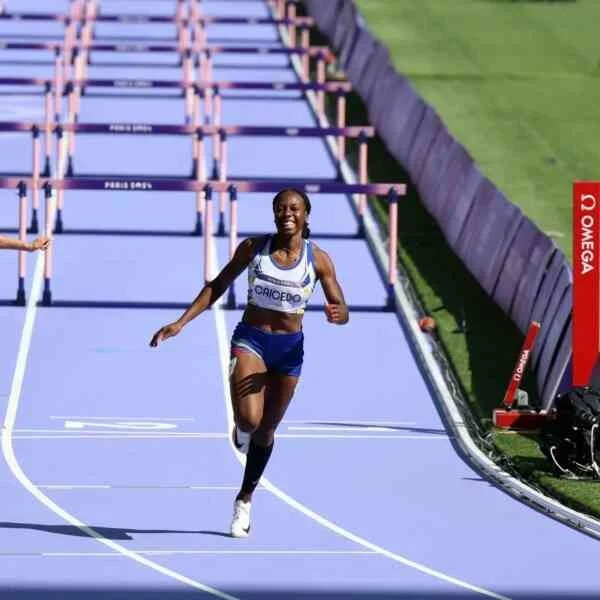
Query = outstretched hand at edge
x=164 y=333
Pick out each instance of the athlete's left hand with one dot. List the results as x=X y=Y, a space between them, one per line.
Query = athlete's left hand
x=336 y=314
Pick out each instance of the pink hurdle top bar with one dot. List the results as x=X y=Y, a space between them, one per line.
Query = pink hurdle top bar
x=241 y=130
x=329 y=86
x=133 y=18
x=135 y=47
x=151 y=129
x=189 y=185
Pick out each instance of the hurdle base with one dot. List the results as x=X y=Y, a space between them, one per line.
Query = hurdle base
x=390 y=303
x=21 y=300
x=360 y=231
x=518 y=419
x=34 y=226
x=69 y=171
x=198 y=227
x=46 y=171
x=215 y=170
x=221 y=228
x=58 y=226
x=47 y=295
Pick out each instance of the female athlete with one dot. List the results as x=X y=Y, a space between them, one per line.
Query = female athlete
x=267 y=345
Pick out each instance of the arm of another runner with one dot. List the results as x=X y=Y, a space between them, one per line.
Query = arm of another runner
x=336 y=309
x=40 y=243
x=211 y=292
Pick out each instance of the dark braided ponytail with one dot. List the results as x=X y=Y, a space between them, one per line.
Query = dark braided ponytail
x=281 y=194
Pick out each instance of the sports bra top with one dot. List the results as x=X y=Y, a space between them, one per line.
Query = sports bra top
x=283 y=289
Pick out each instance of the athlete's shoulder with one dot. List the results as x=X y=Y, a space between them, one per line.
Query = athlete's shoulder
x=322 y=260
x=247 y=249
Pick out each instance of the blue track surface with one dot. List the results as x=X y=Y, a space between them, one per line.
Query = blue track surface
x=365 y=493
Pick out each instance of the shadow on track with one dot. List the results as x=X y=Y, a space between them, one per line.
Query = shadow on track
x=109 y=533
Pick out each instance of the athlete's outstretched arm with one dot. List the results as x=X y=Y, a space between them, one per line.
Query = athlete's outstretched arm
x=40 y=243
x=211 y=292
x=336 y=308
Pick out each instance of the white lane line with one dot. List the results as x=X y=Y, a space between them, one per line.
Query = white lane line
x=192 y=436
x=125 y=425
x=122 y=432
x=349 y=421
x=80 y=418
x=101 y=435
x=69 y=487
x=72 y=487
x=334 y=428
x=9 y=424
x=199 y=553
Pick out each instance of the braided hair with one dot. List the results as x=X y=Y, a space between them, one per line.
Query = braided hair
x=282 y=193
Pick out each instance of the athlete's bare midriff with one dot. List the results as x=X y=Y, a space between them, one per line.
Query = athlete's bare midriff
x=272 y=321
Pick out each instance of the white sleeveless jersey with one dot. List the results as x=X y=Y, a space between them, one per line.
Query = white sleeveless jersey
x=284 y=289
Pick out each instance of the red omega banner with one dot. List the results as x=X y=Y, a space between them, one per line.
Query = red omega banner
x=586 y=288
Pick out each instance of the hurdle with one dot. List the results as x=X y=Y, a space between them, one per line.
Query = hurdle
x=21 y=187
x=220 y=172
x=36 y=173
x=205 y=189
x=362 y=134
x=339 y=88
x=92 y=15
x=199 y=58
x=391 y=190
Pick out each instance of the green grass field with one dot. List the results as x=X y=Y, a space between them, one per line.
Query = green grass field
x=518 y=83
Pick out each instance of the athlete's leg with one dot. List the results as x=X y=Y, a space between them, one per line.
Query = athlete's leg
x=279 y=391
x=278 y=394
x=247 y=381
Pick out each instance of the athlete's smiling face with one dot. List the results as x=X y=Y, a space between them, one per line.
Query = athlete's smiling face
x=290 y=214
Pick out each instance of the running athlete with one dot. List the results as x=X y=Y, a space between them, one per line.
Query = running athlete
x=267 y=345
x=40 y=243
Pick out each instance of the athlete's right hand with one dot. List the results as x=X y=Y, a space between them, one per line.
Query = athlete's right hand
x=164 y=333
x=40 y=243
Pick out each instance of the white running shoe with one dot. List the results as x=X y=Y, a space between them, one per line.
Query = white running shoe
x=241 y=439
x=240 y=524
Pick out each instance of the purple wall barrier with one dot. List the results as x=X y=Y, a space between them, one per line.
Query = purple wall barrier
x=557 y=264
x=531 y=281
x=463 y=177
x=360 y=55
x=557 y=336
x=324 y=14
x=397 y=105
x=345 y=32
x=378 y=102
x=487 y=234
x=559 y=376
x=406 y=125
x=527 y=237
x=379 y=64
x=564 y=284
x=429 y=128
x=432 y=182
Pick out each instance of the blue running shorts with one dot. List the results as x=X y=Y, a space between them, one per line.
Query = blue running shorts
x=281 y=352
